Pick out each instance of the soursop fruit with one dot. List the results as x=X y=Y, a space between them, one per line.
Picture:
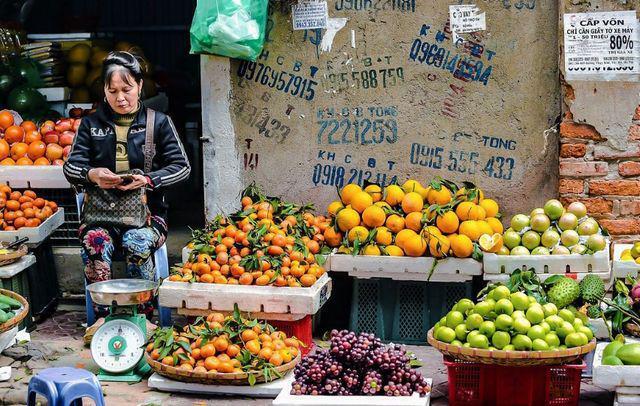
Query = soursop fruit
x=564 y=292
x=593 y=312
x=592 y=289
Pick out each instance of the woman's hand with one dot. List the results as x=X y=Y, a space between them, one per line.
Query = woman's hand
x=137 y=181
x=104 y=178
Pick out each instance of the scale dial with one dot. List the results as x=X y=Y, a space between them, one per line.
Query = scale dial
x=117 y=346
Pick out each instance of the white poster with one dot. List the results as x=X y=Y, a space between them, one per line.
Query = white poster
x=602 y=46
x=310 y=14
x=467 y=18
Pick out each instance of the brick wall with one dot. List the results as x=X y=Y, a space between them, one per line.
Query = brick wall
x=605 y=179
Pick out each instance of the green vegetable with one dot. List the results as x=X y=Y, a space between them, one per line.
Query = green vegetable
x=5 y=307
x=612 y=348
x=611 y=360
x=10 y=301
x=3 y=316
x=629 y=354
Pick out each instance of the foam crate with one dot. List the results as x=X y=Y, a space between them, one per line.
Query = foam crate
x=402 y=311
x=620 y=269
x=285 y=398
x=548 y=264
x=406 y=268
x=55 y=94
x=33 y=177
x=612 y=376
x=36 y=234
x=300 y=329
x=605 y=276
x=202 y=298
x=472 y=384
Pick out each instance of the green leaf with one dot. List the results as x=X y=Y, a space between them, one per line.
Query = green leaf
x=414 y=363
x=251 y=379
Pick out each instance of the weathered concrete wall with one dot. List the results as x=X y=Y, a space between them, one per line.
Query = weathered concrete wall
x=393 y=98
x=599 y=149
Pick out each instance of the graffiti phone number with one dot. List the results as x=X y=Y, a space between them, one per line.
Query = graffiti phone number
x=363 y=132
x=366 y=79
x=267 y=126
x=461 y=67
x=337 y=175
x=280 y=80
x=497 y=167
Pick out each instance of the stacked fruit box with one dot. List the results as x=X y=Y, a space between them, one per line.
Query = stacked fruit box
x=620 y=375
x=625 y=261
x=551 y=240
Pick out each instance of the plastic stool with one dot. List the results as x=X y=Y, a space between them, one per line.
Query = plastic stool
x=161 y=262
x=65 y=386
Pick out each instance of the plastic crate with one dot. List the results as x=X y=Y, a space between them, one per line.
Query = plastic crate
x=402 y=311
x=300 y=329
x=472 y=384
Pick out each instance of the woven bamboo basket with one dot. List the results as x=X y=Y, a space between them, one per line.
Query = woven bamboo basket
x=511 y=358
x=11 y=323
x=214 y=378
x=13 y=255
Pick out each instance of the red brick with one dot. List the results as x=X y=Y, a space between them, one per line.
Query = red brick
x=604 y=152
x=636 y=116
x=570 y=129
x=570 y=186
x=630 y=207
x=582 y=169
x=572 y=150
x=629 y=168
x=621 y=226
x=634 y=132
x=614 y=187
x=594 y=205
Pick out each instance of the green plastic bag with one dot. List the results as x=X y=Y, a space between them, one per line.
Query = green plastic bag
x=233 y=28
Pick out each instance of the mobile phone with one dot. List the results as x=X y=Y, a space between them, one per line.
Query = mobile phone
x=126 y=178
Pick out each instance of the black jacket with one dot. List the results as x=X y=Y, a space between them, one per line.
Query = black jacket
x=95 y=147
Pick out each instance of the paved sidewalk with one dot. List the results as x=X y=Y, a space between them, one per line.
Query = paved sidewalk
x=58 y=342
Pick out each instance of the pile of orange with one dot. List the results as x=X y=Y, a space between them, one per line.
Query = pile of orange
x=28 y=144
x=439 y=220
x=268 y=242
x=23 y=209
x=222 y=344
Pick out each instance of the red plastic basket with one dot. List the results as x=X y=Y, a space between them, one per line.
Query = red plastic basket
x=300 y=329
x=474 y=384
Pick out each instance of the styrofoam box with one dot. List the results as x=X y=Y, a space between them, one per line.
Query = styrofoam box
x=611 y=376
x=55 y=94
x=285 y=398
x=552 y=264
x=406 y=268
x=36 y=234
x=605 y=276
x=255 y=299
x=9 y=271
x=259 y=390
x=626 y=400
x=620 y=269
x=33 y=177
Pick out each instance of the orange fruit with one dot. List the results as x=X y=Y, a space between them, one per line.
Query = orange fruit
x=347 y=192
x=28 y=126
x=276 y=359
x=332 y=237
x=226 y=367
x=347 y=219
x=448 y=222
x=4 y=149
x=383 y=236
x=36 y=150
x=403 y=236
x=395 y=223
x=42 y=161
x=415 y=246
x=463 y=210
x=412 y=202
x=308 y=280
x=248 y=335
x=334 y=207
x=471 y=229
x=360 y=201
x=359 y=233
x=461 y=246
x=12 y=205
x=439 y=197
x=265 y=353
x=206 y=278
x=375 y=191
x=414 y=220
x=393 y=195
x=477 y=213
x=207 y=350
x=168 y=360
x=253 y=346
x=490 y=207
x=31 y=136
x=24 y=161
x=6 y=119
x=373 y=216
x=14 y=134
x=233 y=350
x=495 y=224
x=200 y=369
x=212 y=363
x=18 y=150
x=439 y=246
x=7 y=161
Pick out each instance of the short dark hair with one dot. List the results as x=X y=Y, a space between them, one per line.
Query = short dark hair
x=119 y=60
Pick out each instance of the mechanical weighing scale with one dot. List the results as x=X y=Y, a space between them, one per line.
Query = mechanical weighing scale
x=117 y=346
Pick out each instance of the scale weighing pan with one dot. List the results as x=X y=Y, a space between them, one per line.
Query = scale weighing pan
x=122 y=292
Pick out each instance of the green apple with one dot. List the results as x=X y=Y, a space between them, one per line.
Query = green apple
x=520 y=301
x=549 y=309
x=535 y=314
x=522 y=343
x=479 y=341
x=518 y=314
x=554 y=321
x=577 y=323
x=474 y=321
x=461 y=331
x=586 y=331
x=540 y=345
x=454 y=318
x=521 y=325
x=487 y=328
x=504 y=306
x=511 y=239
x=471 y=334
x=545 y=326
x=466 y=345
x=565 y=329
x=566 y=315
x=501 y=292
x=574 y=340
x=530 y=240
x=446 y=334
x=552 y=339
x=457 y=343
x=500 y=339
x=519 y=221
x=536 y=332
x=509 y=347
x=464 y=305
x=519 y=250
x=483 y=308
x=503 y=322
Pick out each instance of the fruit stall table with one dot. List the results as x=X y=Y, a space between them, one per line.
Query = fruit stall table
x=42 y=278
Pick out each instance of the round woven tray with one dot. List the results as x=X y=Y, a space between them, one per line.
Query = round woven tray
x=214 y=378
x=13 y=256
x=511 y=358
x=11 y=323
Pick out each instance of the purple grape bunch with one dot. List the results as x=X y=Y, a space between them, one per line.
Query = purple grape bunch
x=358 y=365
